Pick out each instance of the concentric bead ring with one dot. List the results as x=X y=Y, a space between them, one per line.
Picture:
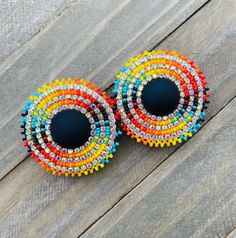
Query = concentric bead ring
x=161 y=97
x=70 y=127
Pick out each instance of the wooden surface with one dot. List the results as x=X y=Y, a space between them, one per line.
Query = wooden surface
x=21 y=20
x=184 y=191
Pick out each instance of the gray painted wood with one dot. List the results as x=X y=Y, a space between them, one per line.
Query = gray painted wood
x=21 y=20
x=192 y=194
x=90 y=41
x=34 y=203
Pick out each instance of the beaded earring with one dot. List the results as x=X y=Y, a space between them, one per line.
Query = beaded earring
x=71 y=127
x=161 y=97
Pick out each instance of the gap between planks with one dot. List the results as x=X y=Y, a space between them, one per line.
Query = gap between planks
x=232 y=233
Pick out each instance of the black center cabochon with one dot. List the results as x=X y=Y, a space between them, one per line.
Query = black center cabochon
x=160 y=96
x=70 y=129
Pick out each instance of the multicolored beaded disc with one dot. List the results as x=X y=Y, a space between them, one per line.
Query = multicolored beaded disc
x=70 y=127
x=161 y=98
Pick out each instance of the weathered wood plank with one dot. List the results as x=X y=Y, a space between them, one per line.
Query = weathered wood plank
x=192 y=194
x=110 y=31
x=37 y=204
x=20 y=20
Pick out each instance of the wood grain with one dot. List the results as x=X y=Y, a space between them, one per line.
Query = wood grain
x=34 y=203
x=21 y=20
x=192 y=194
x=91 y=41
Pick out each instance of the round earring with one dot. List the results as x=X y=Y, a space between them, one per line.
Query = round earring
x=71 y=127
x=161 y=97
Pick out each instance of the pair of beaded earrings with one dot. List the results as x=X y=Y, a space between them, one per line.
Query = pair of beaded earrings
x=71 y=127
